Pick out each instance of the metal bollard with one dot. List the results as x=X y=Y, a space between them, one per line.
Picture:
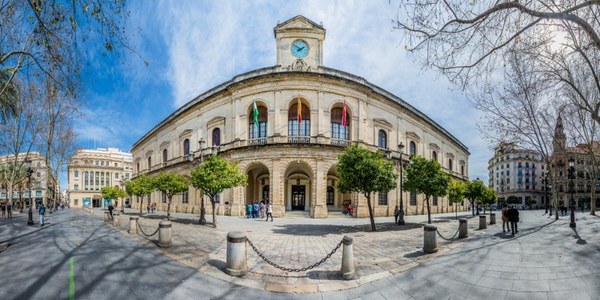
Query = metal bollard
x=237 y=260
x=116 y=219
x=164 y=234
x=347 y=258
x=430 y=239
x=133 y=225
x=482 y=222
x=463 y=231
x=106 y=216
x=492 y=219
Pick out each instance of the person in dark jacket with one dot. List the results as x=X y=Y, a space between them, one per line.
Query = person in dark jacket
x=513 y=218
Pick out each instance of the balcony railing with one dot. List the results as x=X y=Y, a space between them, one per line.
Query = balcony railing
x=340 y=142
x=258 y=141
x=299 y=139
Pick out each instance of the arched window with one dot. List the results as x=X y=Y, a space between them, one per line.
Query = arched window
x=216 y=137
x=450 y=164
x=382 y=139
x=412 y=148
x=138 y=167
x=462 y=170
x=338 y=130
x=265 y=193
x=259 y=131
x=164 y=155
x=186 y=147
x=330 y=195
x=299 y=127
x=149 y=162
x=434 y=155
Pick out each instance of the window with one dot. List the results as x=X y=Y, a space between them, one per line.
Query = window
x=186 y=149
x=330 y=195
x=149 y=162
x=86 y=182
x=38 y=193
x=338 y=131
x=412 y=148
x=164 y=197
x=76 y=187
x=450 y=164
x=138 y=167
x=507 y=173
x=260 y=130
x=116 y=165
x=382 y=139
x=413 y=198
x=435 y=200
x=295 y=127
x=462 y=170
x=434 y=155
x=184 y=197
x=383 y=199
x=75 y=174
x=116 y=175
x=164 y=155
x=265 y=194
x=216 y=137
x=217 y=198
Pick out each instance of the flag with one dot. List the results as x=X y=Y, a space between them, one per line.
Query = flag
x=255 y=113
x=299 y=111
x=344 y=121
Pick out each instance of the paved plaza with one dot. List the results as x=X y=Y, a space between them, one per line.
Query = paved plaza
x=545 y=260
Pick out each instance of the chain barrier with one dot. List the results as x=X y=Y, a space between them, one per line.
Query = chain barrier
x=293 y=269
x=144 y=233
x=450 y=239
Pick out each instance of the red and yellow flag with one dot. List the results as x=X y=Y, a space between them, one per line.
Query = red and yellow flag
x=344 y=121
x=299 y=111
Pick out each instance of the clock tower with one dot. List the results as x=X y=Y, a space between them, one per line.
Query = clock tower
x=299 y=44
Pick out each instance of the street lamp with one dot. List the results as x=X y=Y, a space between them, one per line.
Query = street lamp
x=401 y=213
x=51 y=194
x=29 y=173
x=545 y=182
x=571 y=191
x=122 y=200
x=202 y=208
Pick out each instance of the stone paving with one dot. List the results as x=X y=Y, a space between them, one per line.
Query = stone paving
x=299 y=241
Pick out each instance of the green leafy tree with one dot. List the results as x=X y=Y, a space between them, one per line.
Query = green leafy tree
x=113 y=192
x=214 y=176
x=456 y=193
x=513 y=200
x=140 y=187
x=489 y=198
x=474 y=192
x=170 y=184
x=425 y=176
x=366 y=172
x=530 y=201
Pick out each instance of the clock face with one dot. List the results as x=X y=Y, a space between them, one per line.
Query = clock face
x=299 y=49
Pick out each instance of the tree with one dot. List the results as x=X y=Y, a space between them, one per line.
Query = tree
x=512 y=199
x=489 y=198
x=170 y=184
x=9 y=96
x=112 y=192
x=425 y=176
x=456 y=193
x=530 y=201
x=214 y=176
x=141 y=186
x=474 y=191
x=366 y=172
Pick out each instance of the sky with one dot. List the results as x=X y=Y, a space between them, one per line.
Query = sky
x=192 y=46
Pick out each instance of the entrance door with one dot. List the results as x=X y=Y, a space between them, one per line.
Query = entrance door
x=298 y=192
x=96 y=202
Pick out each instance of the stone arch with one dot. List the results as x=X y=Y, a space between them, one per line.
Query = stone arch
x=260 y=130
x=258 y=182
x=299 y=184
x=334 y=199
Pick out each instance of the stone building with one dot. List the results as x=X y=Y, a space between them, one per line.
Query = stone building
x=518 y=172
x=306 y=114
x=90 y=170
x=586 y=184
x=43 y=184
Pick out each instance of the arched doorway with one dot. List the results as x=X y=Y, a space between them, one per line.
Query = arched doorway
x=258 y=188
x=298 y=187
x=335 y=200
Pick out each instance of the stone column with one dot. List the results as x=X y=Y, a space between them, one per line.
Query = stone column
x=320 y=186
x=237 y=261
x=116 y=219
x=347 y=258
x=462 y=229
x=492 y=219
x=430 y=239
x=106 y=216
x=482 y=222
x=164 y=234
x=133 y=225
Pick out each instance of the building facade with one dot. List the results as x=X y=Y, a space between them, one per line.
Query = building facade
x=91 y=170
x=518 y=172
x=42 y=183
x=286 y=126
x=586 y=184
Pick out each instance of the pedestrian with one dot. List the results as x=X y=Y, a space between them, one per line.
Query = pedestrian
x=350 y=209
x=513 y=218
x=262 y=209
x=396 y=214
x=269 y=211
x=9 y=211
x=3 y=210
x=110 y=210
x=248 y=210
x=148 y=208
x=255 y=209
x=505 y=217
x=42 y=211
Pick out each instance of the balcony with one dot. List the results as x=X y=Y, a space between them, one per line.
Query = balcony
x=258 y=141
x=299 y=139
x=340 y=142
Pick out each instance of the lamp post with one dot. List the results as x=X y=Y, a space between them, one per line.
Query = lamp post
x=122 y=200
x=202 y=219
x=571 y=190
x=545 y=182
x=29 y=173
x=51 y=194
x=401 y=213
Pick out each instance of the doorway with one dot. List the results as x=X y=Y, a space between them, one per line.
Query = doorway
x=298 y=197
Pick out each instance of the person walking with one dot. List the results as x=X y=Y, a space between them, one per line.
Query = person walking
x=269 y=211
x=249 y=210
x=396 y=214
x=513 y=218
x=262 y=209
x=505 y=217
x=255 y=209
x=110 y=210
x=148 y=208
x=42 y=211
x=9 y=211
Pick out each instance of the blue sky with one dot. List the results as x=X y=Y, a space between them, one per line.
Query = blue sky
x=191 y=46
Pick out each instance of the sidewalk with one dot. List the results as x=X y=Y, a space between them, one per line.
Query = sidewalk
x=299 y=242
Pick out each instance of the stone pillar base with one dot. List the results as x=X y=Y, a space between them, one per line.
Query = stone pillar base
x=319 y=212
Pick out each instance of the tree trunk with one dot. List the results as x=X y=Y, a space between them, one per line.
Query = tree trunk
x=141 y=204
x=593 y=200
x=472 y=206
x=428 y=210
x=214 y=216
x=169 y=209
x=455 y=210
x=423 y=207
x=371 y=218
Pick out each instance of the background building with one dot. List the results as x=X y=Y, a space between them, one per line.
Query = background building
x=307 y=114
x=517 y=172
x=42 y=186
x=90 y=170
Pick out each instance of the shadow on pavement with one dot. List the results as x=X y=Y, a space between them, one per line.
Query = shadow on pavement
x=325 y=275
x=321 y=229
x=415 y=254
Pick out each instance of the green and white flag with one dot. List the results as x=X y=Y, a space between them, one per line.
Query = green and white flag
x=255 y=113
